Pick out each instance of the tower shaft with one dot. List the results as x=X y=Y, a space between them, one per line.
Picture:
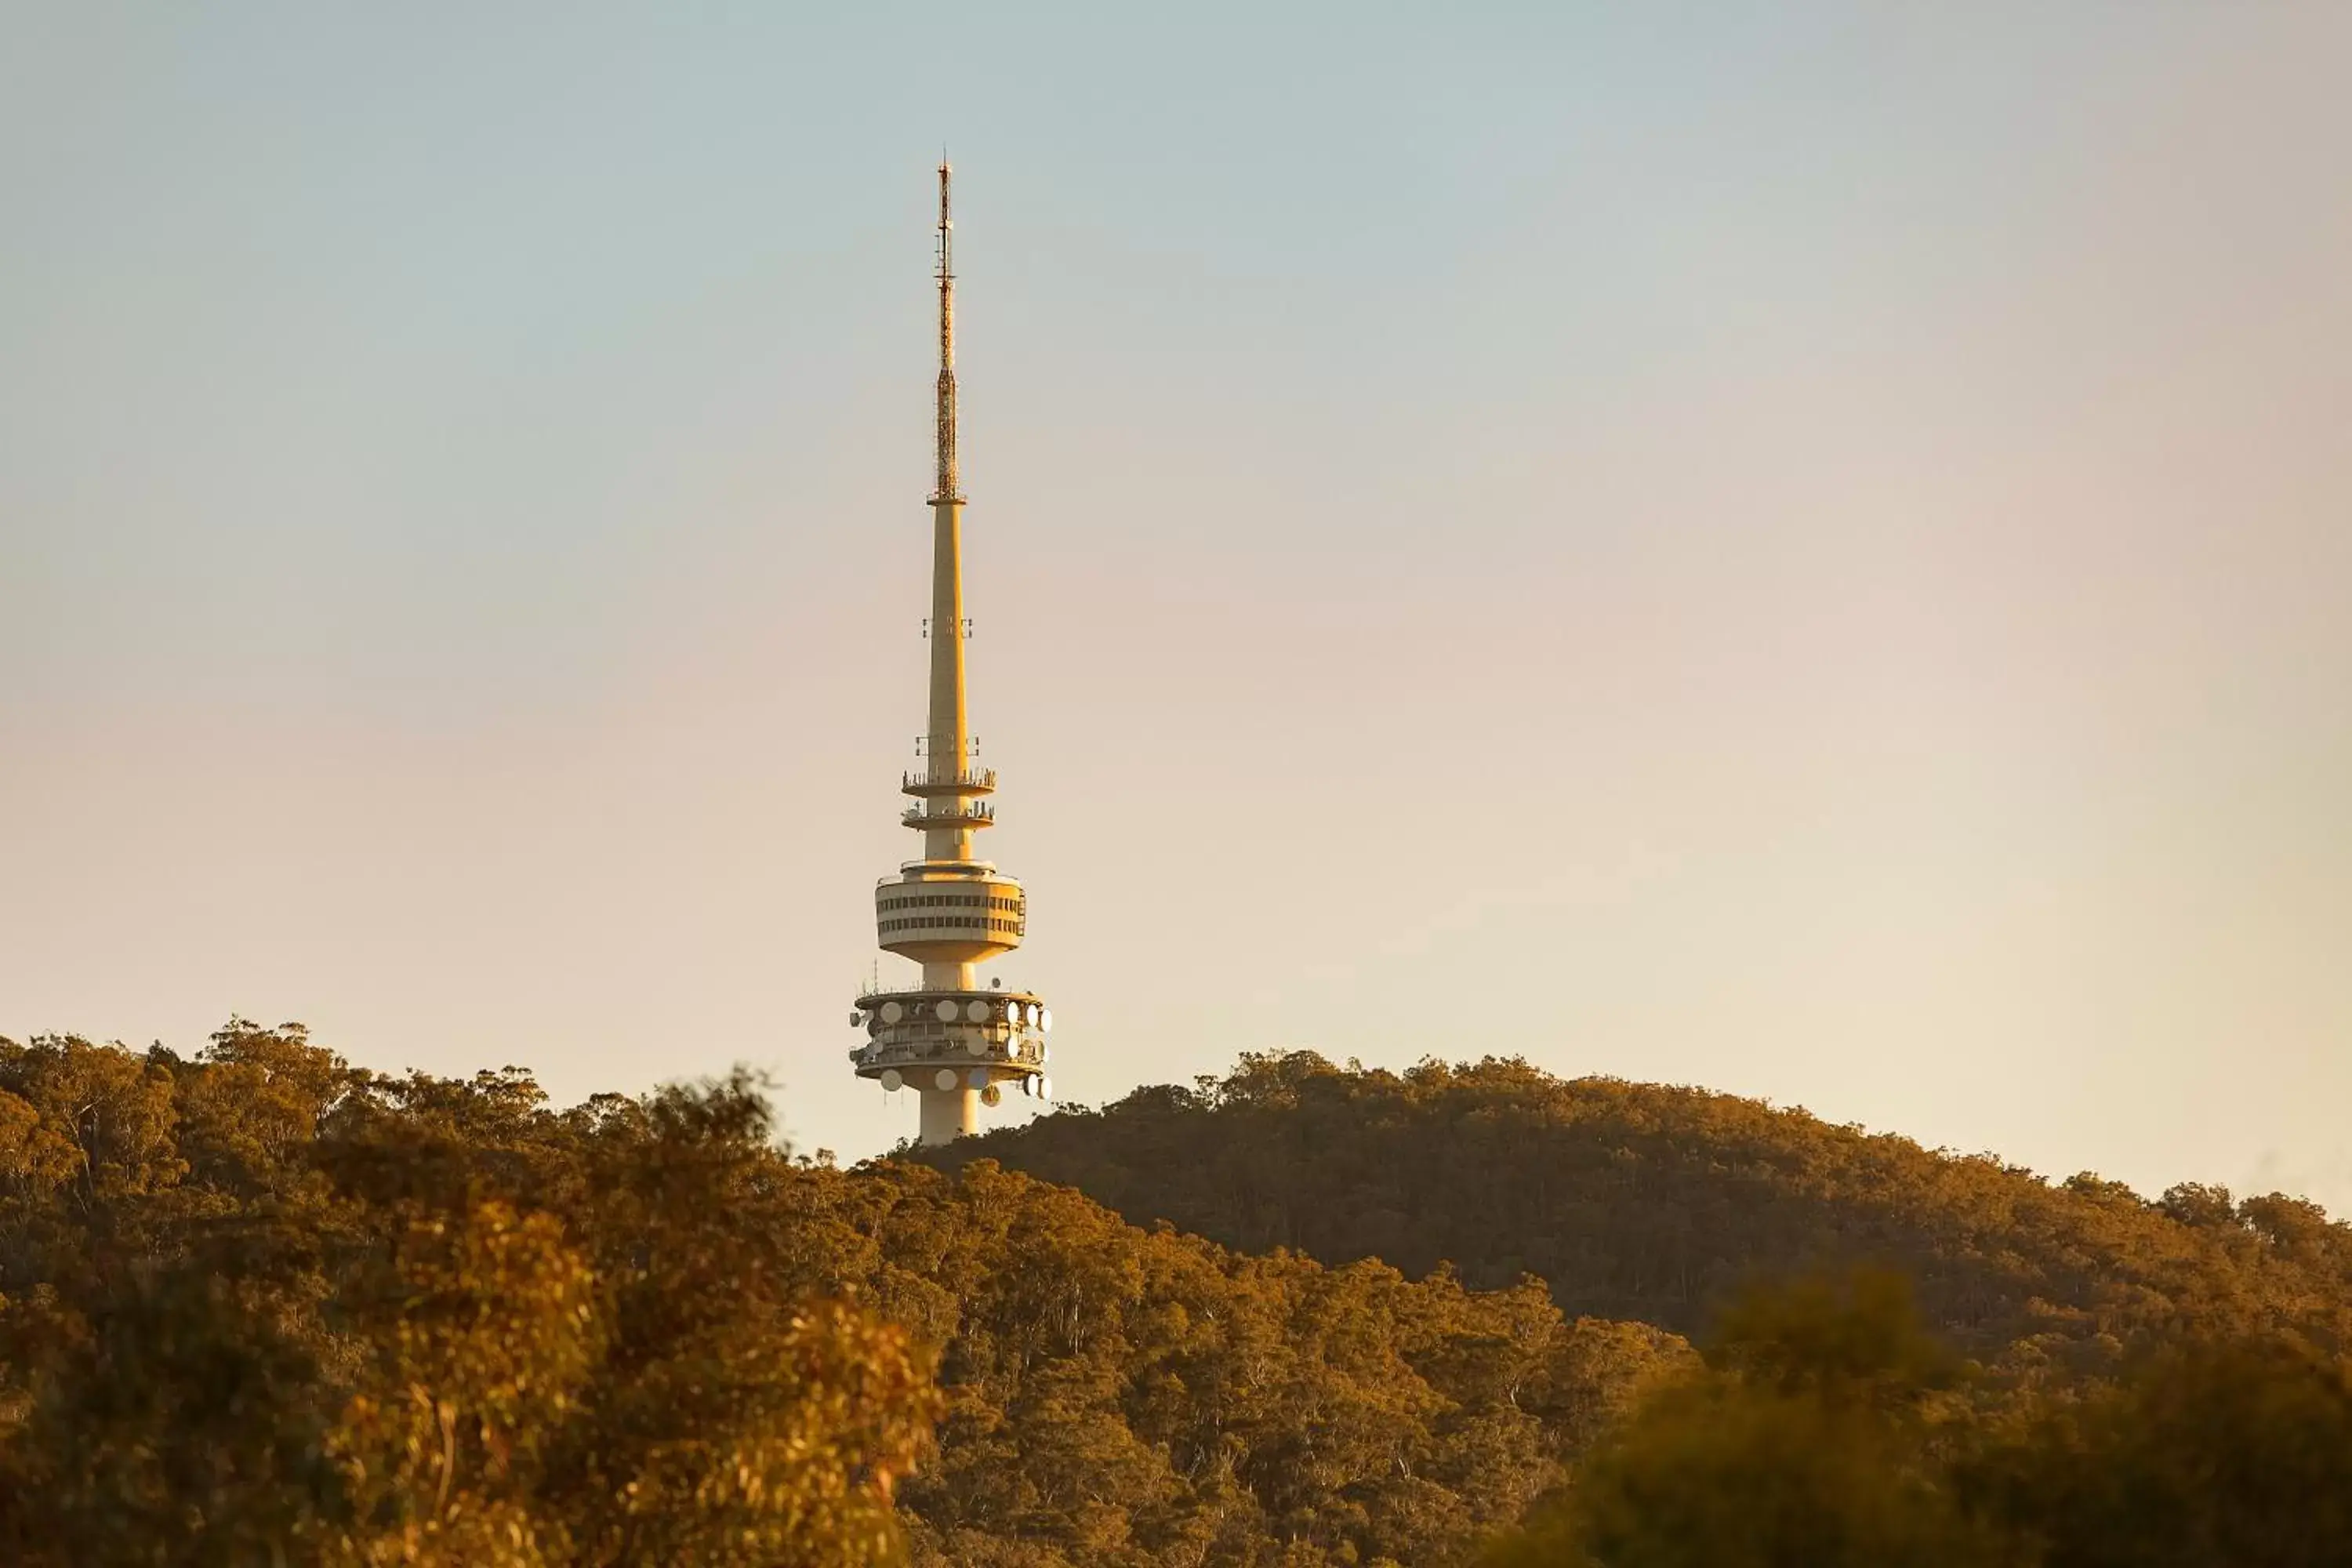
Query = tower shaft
x=948 y=734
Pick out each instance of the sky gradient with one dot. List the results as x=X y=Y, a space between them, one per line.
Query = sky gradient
x=1800 y=549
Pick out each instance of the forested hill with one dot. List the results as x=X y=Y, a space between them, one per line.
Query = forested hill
x=259 y=1306
x=1641 y=1202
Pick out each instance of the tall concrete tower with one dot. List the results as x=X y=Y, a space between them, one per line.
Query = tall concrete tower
x=946 y=1037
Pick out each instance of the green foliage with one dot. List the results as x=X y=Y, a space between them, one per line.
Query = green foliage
x=1822 y=1431
x=2236 y=1451
x=1656 y=1203
x=1854 y=1343
x=1812 y=1438
x=262 y=1309
x=260 y=1306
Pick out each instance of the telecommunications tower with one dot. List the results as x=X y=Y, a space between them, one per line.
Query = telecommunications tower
x=947 y=1038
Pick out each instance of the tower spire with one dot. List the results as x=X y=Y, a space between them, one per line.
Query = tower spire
x=946 y=487
x=945 y=1037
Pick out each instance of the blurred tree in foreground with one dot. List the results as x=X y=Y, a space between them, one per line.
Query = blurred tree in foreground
x=1822 y=1430
x=1813 y=1437
x=2234 y=1453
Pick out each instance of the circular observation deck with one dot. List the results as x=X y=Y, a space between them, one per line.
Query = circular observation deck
x=949 y=919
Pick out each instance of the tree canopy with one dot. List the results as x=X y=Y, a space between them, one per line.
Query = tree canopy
x=1826 y=1427
x=257 y=1305
x=1654 y=1203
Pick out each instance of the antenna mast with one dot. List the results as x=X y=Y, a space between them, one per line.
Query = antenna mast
x=947 y=399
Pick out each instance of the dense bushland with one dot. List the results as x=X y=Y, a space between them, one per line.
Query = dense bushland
x=1827 y=1429
x=1653 y=1203
x=259 y=1307
x=256 y=1306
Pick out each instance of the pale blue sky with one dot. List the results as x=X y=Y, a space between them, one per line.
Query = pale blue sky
x=1799 y=548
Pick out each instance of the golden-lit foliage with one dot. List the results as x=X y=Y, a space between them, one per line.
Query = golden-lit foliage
x=1822 y=1431
x=2231 y=1451
x=1812 y=1437
x=259 y=1306
x=480 y=1331
x=1656 y=1203
x=262 y=1309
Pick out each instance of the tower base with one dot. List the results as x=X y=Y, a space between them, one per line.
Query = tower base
x=950 y=1114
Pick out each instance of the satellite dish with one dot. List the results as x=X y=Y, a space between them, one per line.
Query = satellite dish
x=977 y=1077
x=945 y=1078
x=1045 y=1019
x=946 y=1012
x=1045 y=1055
x=1028 y=1085
x=991 y=1095
x=892 y=1012
x=890 y=1079
x=977 y=1045
x=1045 y=1089
x=856 y=1020
x=975 y=1012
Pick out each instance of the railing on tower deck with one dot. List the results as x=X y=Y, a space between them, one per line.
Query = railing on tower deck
x=978 y=814
x=1024 y=1051
x=976 y=781
x=877 y=994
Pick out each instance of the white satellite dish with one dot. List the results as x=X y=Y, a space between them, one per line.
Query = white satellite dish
x=945 y=1078
x=1045 y=1089
x=1028 y=1085
x=892 y=1012
x=1019 y=1014
x=946 y=1012
x=1045 y=1019
x=890 y=1079
x=1045 y=1055
x=975 y=1012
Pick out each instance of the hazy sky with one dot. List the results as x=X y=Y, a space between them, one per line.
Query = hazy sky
x=1805 y=549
